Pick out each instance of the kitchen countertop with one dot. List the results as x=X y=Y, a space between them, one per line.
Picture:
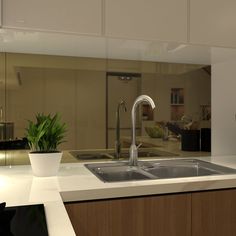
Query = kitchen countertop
x=75 y=183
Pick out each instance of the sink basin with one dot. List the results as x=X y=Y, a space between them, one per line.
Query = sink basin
x=119 y=172
x=185 y=168
x=161 y=169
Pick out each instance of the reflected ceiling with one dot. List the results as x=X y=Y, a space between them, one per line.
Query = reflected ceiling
x=101 y=47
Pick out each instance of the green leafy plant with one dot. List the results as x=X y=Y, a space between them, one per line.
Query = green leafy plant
x=155 y=132
x=46 y=133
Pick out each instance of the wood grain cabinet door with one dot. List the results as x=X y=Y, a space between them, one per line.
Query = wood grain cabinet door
x=168 y=215
x=214 y=213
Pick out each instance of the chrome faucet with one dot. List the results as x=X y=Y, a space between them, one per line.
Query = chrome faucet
x=133 y=151
x=120 y=105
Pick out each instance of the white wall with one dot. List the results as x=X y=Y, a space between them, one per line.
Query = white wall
x=224 y=108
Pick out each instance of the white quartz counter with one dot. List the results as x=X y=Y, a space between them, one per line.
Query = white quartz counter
x=74 y=183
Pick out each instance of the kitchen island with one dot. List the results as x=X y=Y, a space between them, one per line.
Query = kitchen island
x=75 y=183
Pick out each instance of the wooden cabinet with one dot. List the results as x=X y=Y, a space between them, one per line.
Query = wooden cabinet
x=214 y=213
x=210 y=213
x=212 y=22
x=147 y=19
x=78 y=16
x=140 y=216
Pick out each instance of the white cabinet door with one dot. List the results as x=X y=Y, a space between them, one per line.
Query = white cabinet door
x=79 y=16
x=0 y=13
x=147 y=19
x=213 y=22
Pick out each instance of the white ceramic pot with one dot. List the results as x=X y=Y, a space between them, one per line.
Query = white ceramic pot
x=45 y=164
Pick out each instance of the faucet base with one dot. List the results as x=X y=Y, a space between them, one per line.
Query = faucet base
x=133 y=152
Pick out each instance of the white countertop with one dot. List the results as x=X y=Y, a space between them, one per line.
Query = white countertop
x=75 y=182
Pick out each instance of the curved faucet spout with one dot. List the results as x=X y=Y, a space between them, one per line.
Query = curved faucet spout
x=133 y=148
x=140 y=99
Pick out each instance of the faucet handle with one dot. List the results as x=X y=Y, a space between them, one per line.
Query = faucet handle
x=139 y=145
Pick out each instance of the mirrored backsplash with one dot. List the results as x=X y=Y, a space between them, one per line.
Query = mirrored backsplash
x=86 y=93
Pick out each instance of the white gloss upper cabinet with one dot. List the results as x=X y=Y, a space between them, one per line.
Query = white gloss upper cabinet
x=0 y=13
x=147 y=19
x=78 y=16
x=213 y=22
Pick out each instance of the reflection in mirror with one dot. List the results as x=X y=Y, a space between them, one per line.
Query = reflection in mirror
x=121 y=87
x=4 y=134
x=86 y=93
x=87 y=80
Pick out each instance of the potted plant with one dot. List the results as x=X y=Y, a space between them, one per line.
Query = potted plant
x=43 y=137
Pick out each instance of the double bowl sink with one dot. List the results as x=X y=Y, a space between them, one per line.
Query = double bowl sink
x=158 y=169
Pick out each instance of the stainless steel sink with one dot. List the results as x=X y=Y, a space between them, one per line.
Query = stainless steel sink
x=185 y=168
x=118 y=172
x=124 y=154
x=161 y=169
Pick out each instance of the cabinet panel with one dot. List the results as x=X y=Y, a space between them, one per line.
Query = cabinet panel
x=80 y=16
x=157 y=215
x=90 y=109
x=0 y=13
x=212 y=22
x=150 y=19
x=214 y=213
